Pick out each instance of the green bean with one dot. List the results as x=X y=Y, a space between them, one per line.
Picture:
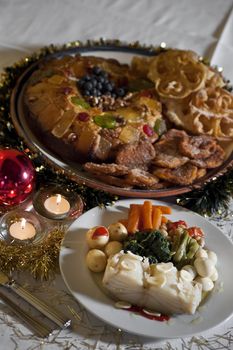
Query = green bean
x=181 y=251
x=192 y=248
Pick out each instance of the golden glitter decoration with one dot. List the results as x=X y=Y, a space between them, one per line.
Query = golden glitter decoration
x=41 y=259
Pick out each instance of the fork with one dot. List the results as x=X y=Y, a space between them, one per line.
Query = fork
x=45 y=309
x=39 y=328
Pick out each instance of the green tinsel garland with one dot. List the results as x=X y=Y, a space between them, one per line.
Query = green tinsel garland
x=212 y=198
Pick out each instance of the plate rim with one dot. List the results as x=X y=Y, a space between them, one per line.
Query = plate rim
x=176 y=207
x=67 y=169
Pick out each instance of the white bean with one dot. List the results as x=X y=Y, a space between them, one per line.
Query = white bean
x=206 y=282
x=214 y=275
x=201 y=253
x=212 y=256
x=204 y=267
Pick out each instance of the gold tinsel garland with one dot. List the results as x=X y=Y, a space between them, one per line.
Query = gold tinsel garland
x=41 y=259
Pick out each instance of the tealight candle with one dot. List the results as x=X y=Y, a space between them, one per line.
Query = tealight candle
x=22 y=230
x=57 y=205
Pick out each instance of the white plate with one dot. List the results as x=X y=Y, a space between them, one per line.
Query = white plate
x=86 y=286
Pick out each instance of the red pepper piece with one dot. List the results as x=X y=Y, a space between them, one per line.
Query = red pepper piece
x=174 y=225
x=195 y=232
x=100 y=231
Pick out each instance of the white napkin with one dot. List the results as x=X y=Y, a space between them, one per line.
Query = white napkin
x=9 y=54
x=223 y=53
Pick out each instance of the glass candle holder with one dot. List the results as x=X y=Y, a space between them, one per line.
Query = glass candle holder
x=56 y=203
x=22 y=227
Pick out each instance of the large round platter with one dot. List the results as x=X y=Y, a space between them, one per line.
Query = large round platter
x=87 y=289
x=75 y=171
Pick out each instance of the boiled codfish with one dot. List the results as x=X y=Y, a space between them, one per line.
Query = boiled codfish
x=160 y=287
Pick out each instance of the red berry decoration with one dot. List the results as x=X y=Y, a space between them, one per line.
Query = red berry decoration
x=83 y=116
x=148 y=130
x=17 y=177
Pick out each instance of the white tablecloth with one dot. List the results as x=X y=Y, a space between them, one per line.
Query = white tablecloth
x=26 y=25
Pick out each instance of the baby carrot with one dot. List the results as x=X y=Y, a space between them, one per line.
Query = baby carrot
x=133 y=218
x=147 y=215
x=164 y=220
x=164 y=209
x=156 y=218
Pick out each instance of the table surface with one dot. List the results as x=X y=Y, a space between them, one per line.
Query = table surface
x=25 y=26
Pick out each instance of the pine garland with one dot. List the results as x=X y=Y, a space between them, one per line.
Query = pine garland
x=213 y=198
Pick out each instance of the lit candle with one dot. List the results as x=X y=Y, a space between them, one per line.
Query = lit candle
x=57 y=205
x=22 y=230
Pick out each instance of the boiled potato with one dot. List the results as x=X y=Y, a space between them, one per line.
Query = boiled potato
x=113 y=247
x=97 y=237
x=96 y=260
x=117 y=232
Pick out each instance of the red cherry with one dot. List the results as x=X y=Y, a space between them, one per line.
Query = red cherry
x=148 y=130
x=67 y=90
x=83 y=116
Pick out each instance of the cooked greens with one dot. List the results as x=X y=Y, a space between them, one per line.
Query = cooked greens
x=158 y=248
x=152 y=245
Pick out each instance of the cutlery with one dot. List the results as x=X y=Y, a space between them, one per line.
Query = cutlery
x=39 y=328
x=55 y=316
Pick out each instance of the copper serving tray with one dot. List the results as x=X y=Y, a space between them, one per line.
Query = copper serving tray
x=74 y=171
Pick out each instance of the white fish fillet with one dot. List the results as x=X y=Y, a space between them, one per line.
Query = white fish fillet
x=129 y=278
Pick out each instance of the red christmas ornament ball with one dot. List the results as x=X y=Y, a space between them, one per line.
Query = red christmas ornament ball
x=17 y=177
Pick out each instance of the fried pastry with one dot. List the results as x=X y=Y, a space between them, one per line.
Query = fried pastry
x=184 y=175
x=213 y=161
x=167 y=150
x=177 y=73
x=208 y=111
x=107 y=169
x=136 y=155
x=197 y=146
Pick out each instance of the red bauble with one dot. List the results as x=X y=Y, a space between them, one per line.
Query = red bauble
x=17 y=177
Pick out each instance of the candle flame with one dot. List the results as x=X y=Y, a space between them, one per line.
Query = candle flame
x=58 y=201
x=23 y=223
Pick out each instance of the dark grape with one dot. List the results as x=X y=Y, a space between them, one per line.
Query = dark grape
x=88 y=86
x=97 y=83
x=96 y=70
x=120 y=92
